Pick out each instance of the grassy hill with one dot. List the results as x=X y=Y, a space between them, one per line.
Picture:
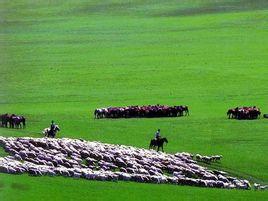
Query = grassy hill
x=60 y=60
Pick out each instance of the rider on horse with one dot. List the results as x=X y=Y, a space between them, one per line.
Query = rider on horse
x=158 y=141
x=52 y=127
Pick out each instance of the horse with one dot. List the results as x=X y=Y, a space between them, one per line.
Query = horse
x=18 y=121
x=49 y=133
x=100 y=113
x=231 y=113
x=5 y=119
x=186 y=110
x=158 y=143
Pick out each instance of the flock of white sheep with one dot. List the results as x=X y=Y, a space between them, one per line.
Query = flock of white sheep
x=99 y=161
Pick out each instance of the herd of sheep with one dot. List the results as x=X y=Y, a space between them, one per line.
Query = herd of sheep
x=98 y=161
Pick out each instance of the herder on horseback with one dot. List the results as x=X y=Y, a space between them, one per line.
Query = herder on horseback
x=158 y=141
x=52 y=126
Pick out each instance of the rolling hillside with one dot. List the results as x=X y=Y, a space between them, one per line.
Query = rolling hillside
x=61 y=60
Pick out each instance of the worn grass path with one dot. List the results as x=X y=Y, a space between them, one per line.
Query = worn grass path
x=63 y=59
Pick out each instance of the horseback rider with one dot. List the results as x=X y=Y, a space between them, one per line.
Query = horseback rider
x=157 y=135
x=52 y=126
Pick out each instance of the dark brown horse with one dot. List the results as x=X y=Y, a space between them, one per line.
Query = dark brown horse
x=4 y=119
x=17 y=121
x=231 y=113
x=158 y=143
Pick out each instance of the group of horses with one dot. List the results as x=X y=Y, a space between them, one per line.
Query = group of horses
x=142 y=111
x=12 y=121
x=244 y=113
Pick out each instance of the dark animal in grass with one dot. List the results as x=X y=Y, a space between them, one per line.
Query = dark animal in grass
x=148 y=111
x=17 y=121
x=158 y=143
x=231 y=113
x=13 y=121
x=244 y=113
x=98 y=113
x=4 y=119
x=185 y=109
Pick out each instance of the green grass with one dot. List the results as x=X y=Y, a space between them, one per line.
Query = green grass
x=62 y=60
x=47 y=188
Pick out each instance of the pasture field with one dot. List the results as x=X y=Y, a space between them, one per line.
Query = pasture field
x=62 y=59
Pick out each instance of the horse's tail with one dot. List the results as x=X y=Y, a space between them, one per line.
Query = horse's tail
x=23 y=122
x=151 y=144
x=187 y=111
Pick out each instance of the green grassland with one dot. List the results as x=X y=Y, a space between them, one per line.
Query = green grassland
x=61 y=60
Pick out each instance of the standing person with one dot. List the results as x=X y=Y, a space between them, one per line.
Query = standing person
x=157 y=134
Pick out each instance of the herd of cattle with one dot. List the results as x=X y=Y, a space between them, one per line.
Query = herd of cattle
x=244 y=113
x=12 y=121
x=141 y=111
x=98 y=161
x=16 y=121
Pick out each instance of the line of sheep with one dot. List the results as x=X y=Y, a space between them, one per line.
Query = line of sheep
x=99 y=161
x=208 y=159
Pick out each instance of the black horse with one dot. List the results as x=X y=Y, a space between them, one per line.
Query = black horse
x=158 y=143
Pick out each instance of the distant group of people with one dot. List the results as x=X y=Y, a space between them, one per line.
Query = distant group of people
x=12 y=121
x=141 y=111
x=244 y=113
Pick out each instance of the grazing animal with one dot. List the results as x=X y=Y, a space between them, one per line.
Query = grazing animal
x=49 y=133
x=98 y=113
x=231 y=113
x=244 y=113
x=13 y=121
x=260 y=187
x=4 y=119
x=158 y=143
x=148 y=111
x=18 y=121
x=208 y=159
x=186 y=110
